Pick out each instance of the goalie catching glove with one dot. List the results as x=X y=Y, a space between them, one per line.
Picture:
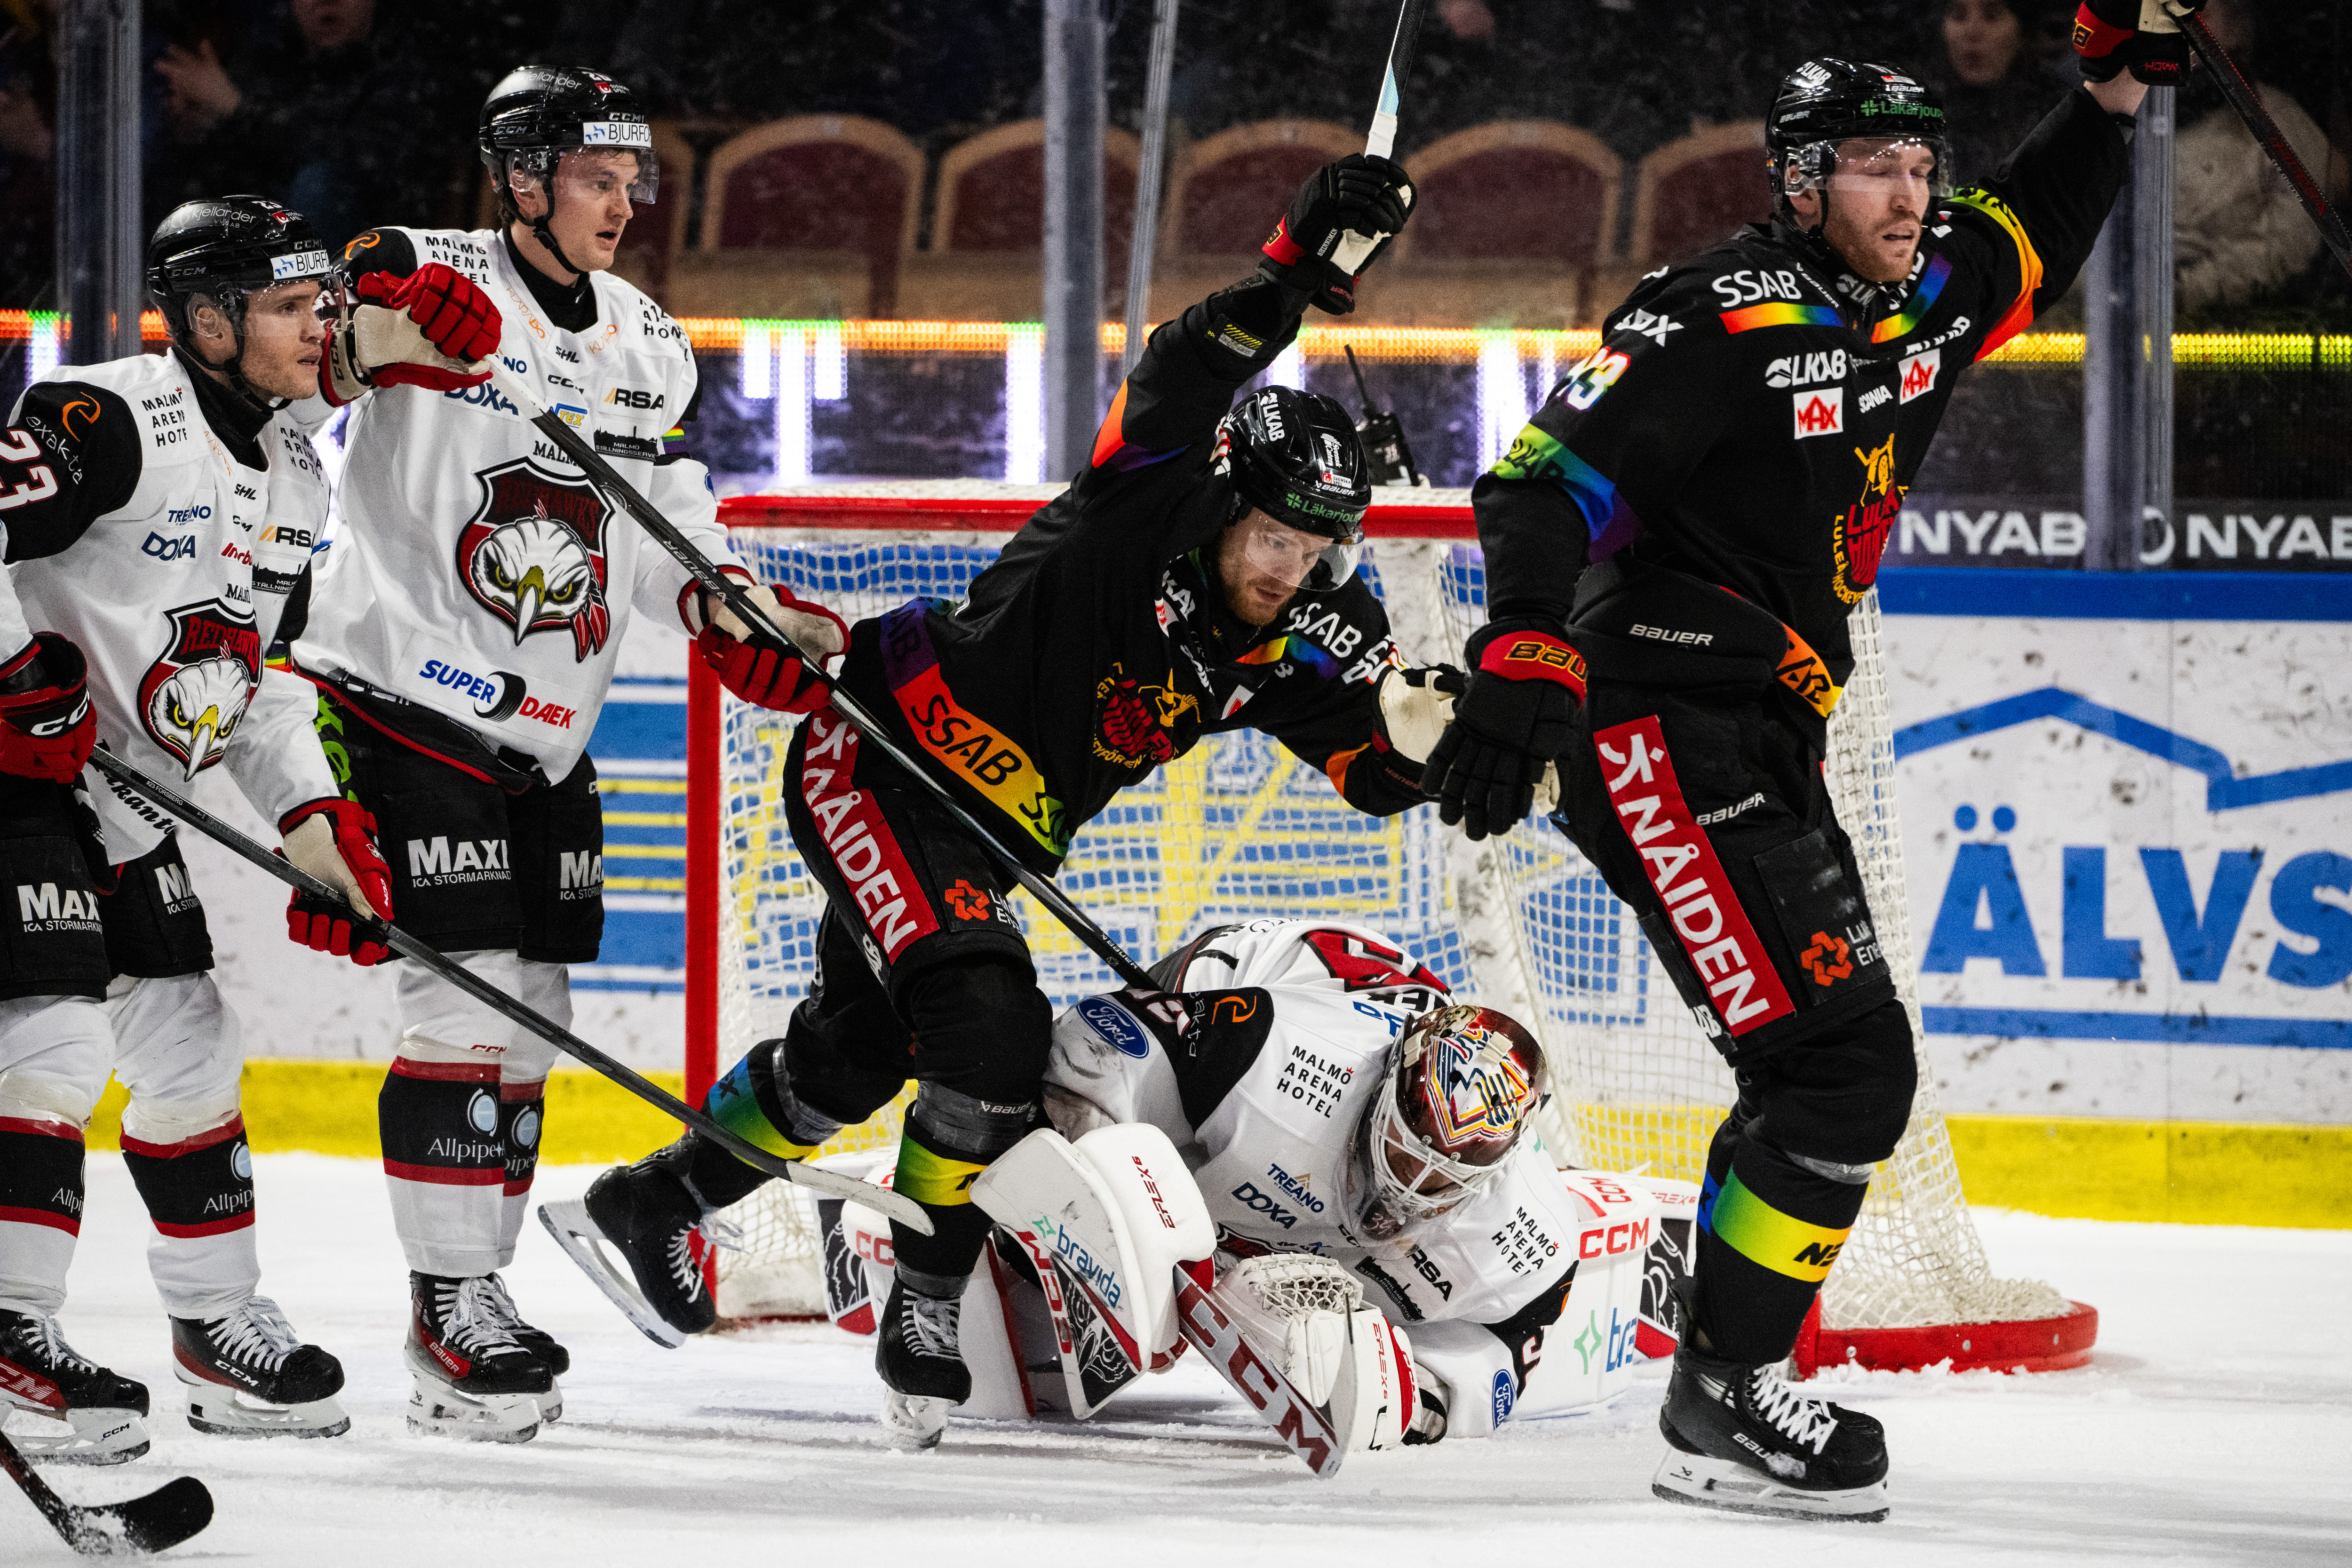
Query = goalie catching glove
x=431 y=328
x=334 y=840
x=754 y=666
x=1307 y=1316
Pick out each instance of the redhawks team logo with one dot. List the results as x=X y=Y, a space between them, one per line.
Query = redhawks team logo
x=192 y=698
x=534 y=555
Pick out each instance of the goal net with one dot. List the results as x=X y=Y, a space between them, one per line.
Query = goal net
x=1238 y=829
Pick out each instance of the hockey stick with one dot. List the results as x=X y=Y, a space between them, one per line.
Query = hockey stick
x=737 y=598
x=164 y=1517
x=2249 y=104
x=1382 y=139
x=834 y=1185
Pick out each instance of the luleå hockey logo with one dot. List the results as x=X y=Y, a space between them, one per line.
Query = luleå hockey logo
x=191 y=698
x=533 y=556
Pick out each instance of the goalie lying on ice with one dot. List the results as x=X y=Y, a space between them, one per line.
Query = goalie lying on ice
x=1359 y=1169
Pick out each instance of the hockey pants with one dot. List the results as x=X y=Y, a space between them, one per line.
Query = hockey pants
x=1706 y=811
x=922 y=973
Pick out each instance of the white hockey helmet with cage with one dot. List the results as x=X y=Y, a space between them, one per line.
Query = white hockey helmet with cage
x=1459 y=1091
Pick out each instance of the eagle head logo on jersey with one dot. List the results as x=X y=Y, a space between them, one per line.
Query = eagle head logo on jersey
x=192 y=698
x=533 y=556
x=1861 y=534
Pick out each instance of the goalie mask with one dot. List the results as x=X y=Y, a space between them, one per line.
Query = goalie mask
x=1458 y=1092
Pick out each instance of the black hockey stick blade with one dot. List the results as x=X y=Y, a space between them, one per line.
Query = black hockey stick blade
x=737 y=598
x=833 y=1183
x=2248 y=101
x=164 y=1517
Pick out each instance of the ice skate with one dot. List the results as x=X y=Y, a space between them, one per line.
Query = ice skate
x=538 y=1341
x=1744 y=1440
x=249 y=1374
x=646 y=1215
x=473 y=1378
x=922 y=1368
x=85 y=1414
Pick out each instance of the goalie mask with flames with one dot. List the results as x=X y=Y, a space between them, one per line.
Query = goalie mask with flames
x=534 y=556
x=1458 y=1093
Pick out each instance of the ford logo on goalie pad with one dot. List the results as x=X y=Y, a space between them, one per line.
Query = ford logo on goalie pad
x=1112 y=1022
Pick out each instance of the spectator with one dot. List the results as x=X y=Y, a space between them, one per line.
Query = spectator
x=322 y=117
x=2238 y=230
x=28 y=170
x=1999 y=75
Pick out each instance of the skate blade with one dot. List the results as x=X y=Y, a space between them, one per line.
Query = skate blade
x=1734 y=1487
x=551 y=1404
x=567 y=1221
x=911 y=1423
x=94 y=1436
x=228 y=1413
x=437 y=1410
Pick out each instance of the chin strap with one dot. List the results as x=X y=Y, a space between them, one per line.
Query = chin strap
x=546 y=235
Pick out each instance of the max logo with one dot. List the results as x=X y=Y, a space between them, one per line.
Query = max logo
x=968 y=903
x=1827 y=960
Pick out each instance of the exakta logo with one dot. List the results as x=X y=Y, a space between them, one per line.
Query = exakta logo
x=1111 y=1021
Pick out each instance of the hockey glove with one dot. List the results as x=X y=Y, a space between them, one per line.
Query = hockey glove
x=754 y=666
x=47 y=724
x=334 y=840
x=1340 y=221
x=1429 y=1413
x=1417 y=704
x=1513 y=718
x=2142 y=34
x=426 y=330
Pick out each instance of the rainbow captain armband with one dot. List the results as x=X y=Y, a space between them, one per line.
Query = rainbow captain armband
x=1534 y=656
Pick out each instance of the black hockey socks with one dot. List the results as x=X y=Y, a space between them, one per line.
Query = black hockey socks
x=199 y=1186
x=1769 y=1230
x=40 y=1176
x=440 y=1124
x=523 y=1112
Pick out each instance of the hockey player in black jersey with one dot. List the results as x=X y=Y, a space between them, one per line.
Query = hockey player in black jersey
x=1672 y=544
x=1197 y=576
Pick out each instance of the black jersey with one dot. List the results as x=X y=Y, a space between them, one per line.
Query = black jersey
x=1751 y=419
x=1098 y=647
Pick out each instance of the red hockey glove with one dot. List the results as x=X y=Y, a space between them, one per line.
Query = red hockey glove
x=2142 y=34
x=334 y=840
x=1526 y=687
x=455 y=316
x=47 y=724
x=759 y=669
x=1340 y=221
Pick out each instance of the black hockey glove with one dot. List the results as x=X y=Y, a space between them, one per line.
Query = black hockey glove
x=1340 y=221
x=1428 y=1423
x=2142 y=34
x=1524 y=693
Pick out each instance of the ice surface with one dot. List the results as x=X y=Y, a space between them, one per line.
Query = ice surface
x=2214 y=1427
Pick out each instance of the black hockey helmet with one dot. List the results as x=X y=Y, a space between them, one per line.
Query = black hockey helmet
x=227 y=250
x=1828 y=99
x=1296 y=457
x=538 y=113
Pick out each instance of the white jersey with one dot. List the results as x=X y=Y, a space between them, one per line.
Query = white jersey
x=476 y=572
x=173 y=593
x=1259 y=1065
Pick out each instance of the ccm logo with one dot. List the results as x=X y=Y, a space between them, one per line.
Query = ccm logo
x=1609 y=1240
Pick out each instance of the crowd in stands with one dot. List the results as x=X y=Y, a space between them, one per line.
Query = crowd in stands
x=356 y=112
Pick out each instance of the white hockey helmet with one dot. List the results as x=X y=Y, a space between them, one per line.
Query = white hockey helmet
x=1459 y=1091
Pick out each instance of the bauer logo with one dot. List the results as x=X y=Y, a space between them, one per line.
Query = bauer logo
x=1821 y=413
x=1505 y=1397
x=1111 y=1021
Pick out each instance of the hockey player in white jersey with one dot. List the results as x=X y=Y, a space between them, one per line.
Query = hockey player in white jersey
x=1333 y=1101
x=462 y=634
x=159 y=513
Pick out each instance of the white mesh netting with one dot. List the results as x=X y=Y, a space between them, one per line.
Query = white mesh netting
x=1238 y=828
